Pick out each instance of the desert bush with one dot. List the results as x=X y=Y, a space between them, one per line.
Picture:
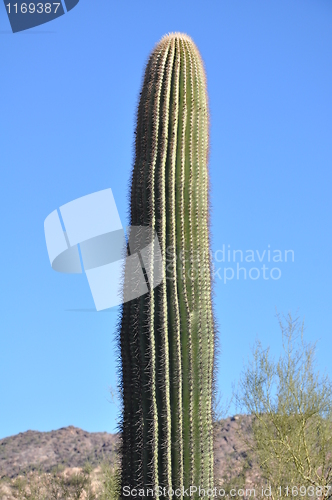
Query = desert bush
x=85 y=483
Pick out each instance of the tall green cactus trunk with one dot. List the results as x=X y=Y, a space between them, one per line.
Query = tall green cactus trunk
x=167 y=335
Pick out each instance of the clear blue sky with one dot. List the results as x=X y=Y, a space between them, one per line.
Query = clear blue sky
x=69 y=93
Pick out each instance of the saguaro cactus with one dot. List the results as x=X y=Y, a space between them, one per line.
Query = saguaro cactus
x=167 y=335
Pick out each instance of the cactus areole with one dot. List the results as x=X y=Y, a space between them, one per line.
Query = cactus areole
x=167 y=335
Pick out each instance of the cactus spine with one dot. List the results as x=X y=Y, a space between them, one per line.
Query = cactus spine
x=167 y=335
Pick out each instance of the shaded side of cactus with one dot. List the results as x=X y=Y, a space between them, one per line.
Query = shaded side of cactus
x=167 y=335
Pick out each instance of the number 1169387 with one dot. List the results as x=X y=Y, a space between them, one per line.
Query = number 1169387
x=31 y=8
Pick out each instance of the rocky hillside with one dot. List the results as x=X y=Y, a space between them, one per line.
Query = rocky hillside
x=71 y=447
x=44 y=451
